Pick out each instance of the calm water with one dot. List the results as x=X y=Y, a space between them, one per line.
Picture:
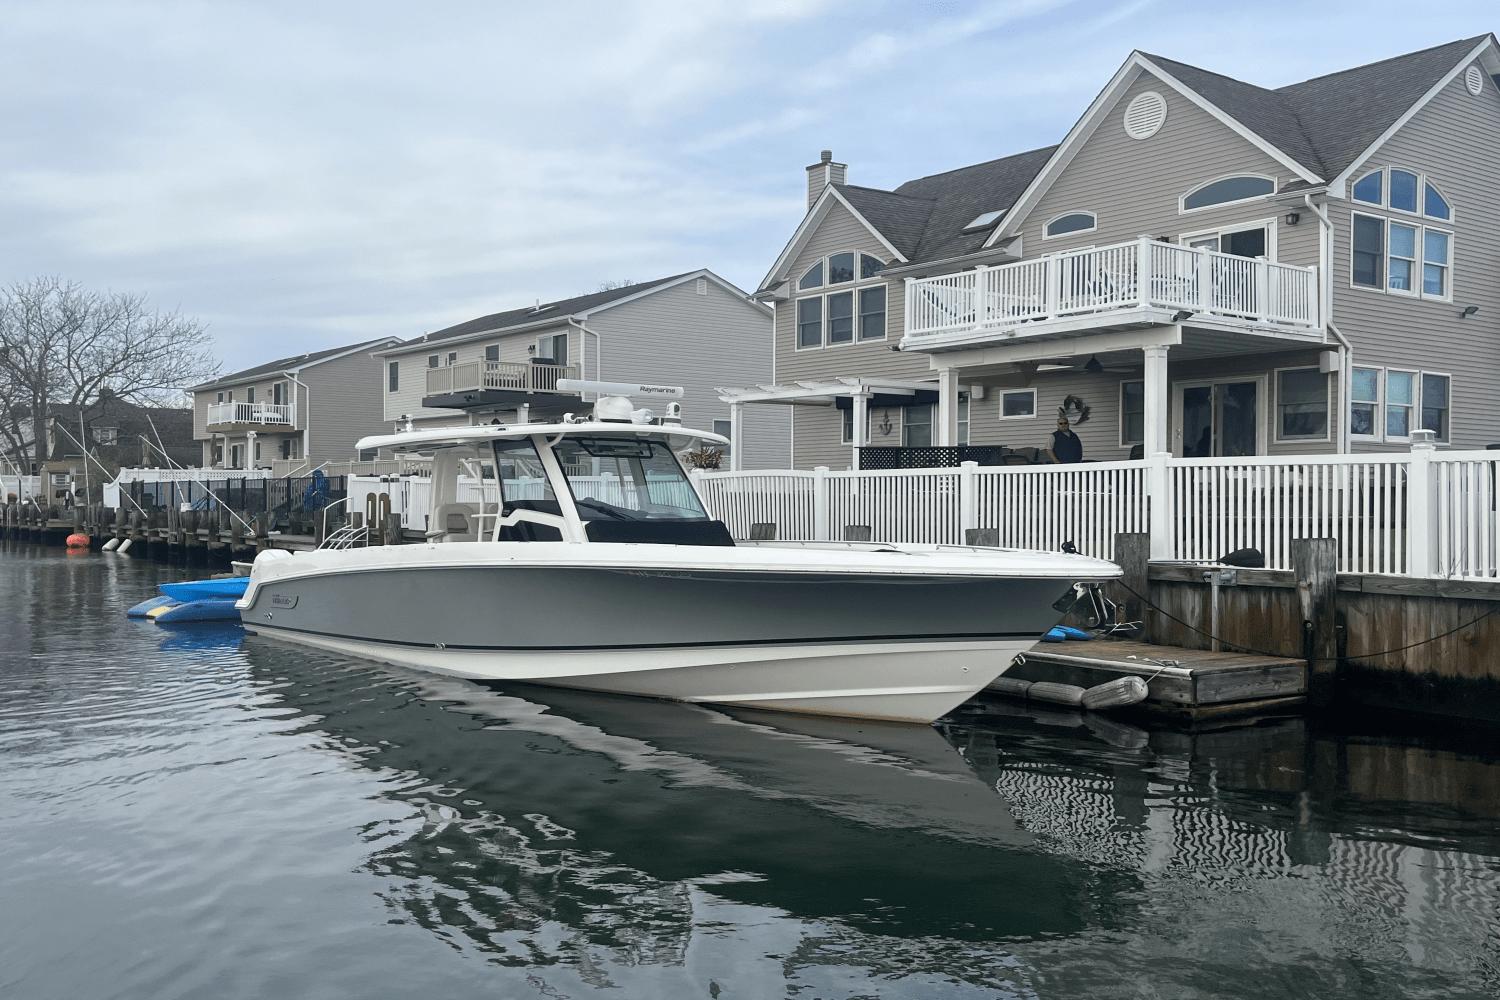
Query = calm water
x=200 y=814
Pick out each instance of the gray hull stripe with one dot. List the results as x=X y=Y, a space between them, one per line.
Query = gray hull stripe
x=913 y=637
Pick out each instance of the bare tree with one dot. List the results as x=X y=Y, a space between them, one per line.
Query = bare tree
x=61 y=343
x=614 y=283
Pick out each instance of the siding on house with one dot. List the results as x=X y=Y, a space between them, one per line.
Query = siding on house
x=1133 y=186
x=816 y=430
x=676 y=336
x=412 y=384
x=338 y=409
x=1455 y=140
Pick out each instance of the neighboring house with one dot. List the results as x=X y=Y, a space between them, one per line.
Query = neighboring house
x=1208 y=266
x=292 y=413
x=118 y=434
x=694 y=330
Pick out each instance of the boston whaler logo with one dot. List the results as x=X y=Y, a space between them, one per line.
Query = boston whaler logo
x=283 y=600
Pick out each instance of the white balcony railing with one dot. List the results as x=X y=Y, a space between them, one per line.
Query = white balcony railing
x=1143 y=274
x=274 y=414
x=467 y=376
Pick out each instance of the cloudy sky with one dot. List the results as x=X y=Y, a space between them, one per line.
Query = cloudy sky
x=303 y=175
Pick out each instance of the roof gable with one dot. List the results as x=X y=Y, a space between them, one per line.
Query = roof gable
x=294 y=363
x=833 y=195
x=1102 y=105
x=1352 y=112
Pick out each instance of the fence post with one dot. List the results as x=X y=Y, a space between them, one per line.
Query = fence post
x=822 y=532
x=968 y=499
x=1161 y=505
x=1419 y=520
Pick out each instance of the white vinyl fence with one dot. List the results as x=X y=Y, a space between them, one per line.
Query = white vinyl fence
x=1424 y=513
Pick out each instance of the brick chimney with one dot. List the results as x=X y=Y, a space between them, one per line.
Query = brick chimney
x=822 y=174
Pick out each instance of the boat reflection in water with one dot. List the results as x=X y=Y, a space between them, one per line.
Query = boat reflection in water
x=582 y=840
x=606 y=832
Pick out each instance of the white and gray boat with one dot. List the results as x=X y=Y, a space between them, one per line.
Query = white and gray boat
x=587 y=560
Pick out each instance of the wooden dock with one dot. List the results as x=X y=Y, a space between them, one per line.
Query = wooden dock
x=1189 y=683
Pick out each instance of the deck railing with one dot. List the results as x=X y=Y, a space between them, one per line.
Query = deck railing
x=274 y=414
x=1023 y=296
x=1423 y=514
x=469 y=376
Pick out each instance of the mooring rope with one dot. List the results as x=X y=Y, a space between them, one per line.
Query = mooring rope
x=1311 y=659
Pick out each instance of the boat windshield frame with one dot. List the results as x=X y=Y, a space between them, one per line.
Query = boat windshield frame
x=642 y=457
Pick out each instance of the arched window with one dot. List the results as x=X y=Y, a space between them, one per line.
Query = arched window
x=1227 y=190
x=1370 y=188
x=1070 y=222
x=852 y=309
x=1402 y=191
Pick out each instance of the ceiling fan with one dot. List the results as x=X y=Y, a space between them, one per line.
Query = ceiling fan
x=1094 y=366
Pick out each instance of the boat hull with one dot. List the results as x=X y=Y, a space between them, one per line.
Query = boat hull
x=867 y=646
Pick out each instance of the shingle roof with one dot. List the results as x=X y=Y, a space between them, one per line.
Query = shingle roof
x=899 y=218
x=1345 y=112
x=1324 y=124
x=558 y=309
x=1264 y=112
x=960 y=196
x=284 y=364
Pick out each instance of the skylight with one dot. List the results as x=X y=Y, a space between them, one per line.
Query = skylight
x=986 y=219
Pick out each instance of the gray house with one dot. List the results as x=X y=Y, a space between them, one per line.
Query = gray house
x=1201 y=265
x=291 y=413
x=695 y=330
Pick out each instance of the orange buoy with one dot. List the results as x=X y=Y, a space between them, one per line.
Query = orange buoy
x=77 y=541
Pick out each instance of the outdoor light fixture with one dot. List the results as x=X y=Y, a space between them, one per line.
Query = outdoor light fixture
x=1468 y=311
x=1093 y=367
x=1292 y=218
x=1182 y=315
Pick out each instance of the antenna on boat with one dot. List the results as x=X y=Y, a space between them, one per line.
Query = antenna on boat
x=612 y=400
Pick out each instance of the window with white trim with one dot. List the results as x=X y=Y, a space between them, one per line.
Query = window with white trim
x=1069 y=223
x=723 y=429
x=846 y=434
x=1400 y=400
x=392 y=376
x=1301 y=405
x=1227 y=191
x=916 y=426
x=1401 y=258
x=1132 y=413
x=1017 y=404
x=1364 y=403
x=963 y=418
x=1433 y=399
x=841 y=315
x=433 y=360
x=492 y=352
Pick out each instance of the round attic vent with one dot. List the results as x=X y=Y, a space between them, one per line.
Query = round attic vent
x=1145 y=114
x=1474 y=80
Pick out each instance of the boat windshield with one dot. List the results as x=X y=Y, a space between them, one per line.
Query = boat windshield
x=627 y=479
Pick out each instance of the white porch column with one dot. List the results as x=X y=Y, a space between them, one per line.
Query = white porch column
x=736 y=422
x=1156 y=407
x=250 y=450
x=860 y=423
x=947 y=422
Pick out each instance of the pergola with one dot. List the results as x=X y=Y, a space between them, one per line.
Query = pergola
x=859 y=390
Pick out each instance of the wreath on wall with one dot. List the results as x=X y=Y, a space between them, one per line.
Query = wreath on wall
x=1074 y=410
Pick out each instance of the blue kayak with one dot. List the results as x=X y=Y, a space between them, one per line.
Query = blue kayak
x=212 y=610
x=228 y=587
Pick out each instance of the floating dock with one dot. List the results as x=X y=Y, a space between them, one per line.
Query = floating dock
x=1191 y=684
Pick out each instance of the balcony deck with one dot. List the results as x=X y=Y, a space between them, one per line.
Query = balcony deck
x=499 y=385
x=1141 y=283
x=242 y=416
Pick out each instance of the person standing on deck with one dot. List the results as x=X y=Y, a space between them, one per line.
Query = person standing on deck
x=1065 y=449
